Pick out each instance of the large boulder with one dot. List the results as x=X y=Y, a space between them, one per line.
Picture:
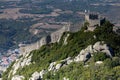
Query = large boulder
x=65 y=78
x=35 y=76
x=65 y=40
x=58 y=66
x=42 y=73
x=17 y=77
x=98 y=62
x=52 y=66
x=38 y=76
x=89 y=49
x=86 y=53
x=26 y=61
x=102 y=47
x=107 y=52
x=20 y=63
x=99 y=46
x=69 y=61
x=82 y=57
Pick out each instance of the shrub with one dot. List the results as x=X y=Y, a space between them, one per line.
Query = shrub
x=115 y=61
x=99 y=56
x=110 y=63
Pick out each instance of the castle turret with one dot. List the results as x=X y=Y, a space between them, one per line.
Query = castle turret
x=93 y=19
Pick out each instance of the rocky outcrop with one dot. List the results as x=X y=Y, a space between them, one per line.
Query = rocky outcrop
x=20 y=63
x=42 y=73
x=65 y=40
x=65 y=78
x=102 y=47
x=35 y=76
x=58 y=66
x=17 y=77
x=26 y=60
x=38 y=75
x=98 y=62
x=54 y=66
x=85 y=54
x=82 y=57
x=69 y=60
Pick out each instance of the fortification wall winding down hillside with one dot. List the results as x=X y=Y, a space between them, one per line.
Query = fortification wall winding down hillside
x=52 y=38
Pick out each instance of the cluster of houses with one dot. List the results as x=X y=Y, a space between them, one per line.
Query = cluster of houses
x=7 y=59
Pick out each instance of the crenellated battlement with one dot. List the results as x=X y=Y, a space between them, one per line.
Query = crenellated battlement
x=92 y=18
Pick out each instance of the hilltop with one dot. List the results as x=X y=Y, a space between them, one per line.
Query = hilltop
x=37 y=18
x=81 y=55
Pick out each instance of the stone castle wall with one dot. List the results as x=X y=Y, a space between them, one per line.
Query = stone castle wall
x=94 y=22
x=52 y=38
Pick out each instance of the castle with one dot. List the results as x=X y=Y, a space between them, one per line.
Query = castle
x=94 y=19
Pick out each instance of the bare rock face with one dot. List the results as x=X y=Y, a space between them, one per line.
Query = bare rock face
x=65 y=78
x=58 y=66
x=89 y=49
x=98 y=46
x=102 y=47
x=38 y=76
x=42 y=73
x=20 y=63
x=86 y=53
x=69 y=60
x=65 y=40
x=98 y=62
x=35 y=76
x=17 y=77
x=25 y=60
x=82 y=57
x=52 y=66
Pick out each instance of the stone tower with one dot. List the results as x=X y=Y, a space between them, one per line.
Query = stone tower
x=92 y=18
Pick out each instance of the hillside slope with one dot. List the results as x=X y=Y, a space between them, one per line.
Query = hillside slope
x=82 y=55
